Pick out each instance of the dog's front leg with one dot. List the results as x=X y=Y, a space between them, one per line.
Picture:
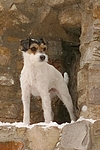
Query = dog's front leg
x=26 y=105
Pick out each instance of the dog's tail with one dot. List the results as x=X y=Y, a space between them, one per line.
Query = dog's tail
x=66 y=78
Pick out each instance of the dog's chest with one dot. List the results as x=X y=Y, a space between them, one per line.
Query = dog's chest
x=37 y=81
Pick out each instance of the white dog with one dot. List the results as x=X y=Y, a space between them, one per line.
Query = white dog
x=41 y=79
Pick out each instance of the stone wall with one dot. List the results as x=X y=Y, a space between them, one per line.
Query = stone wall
x=26 y=18
x=72 y=29
x=75 y=136
x=88 y=76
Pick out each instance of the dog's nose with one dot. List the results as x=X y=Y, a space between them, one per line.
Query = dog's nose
x=42 y=57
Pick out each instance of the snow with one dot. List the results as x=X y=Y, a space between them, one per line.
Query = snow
x=43 y=124
x=82 y=118
x=84 y=108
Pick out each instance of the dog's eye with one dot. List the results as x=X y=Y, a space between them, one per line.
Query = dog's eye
x=33 y=48
x=44 y=49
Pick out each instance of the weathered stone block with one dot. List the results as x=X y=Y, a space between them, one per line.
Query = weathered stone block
x=55 y=49
x=94 y=94
x=82 y=98
x=76 y=136
x=94 y=83
x=96 y=11
x=19 y=65
x=82 y=79
x=7 y=5
x=12 y=39
x=70 y=17
x=54 y=2
x=96 y=128
x=43 y=138
x=94 y=73
x=7 y=92
x=5 y=56
x=96 y=135
x=7 y=133
x=47 y=14
x=90 y=53
x=6 y=79
x=59 y=3
x=55 y=52
x=87 y=56
x=21 y=132
x=12 y=145
x=1 y=7
x=93 y=111
x=10 y=110
x=19 y=1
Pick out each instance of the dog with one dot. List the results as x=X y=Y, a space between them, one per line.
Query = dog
x=41 y=79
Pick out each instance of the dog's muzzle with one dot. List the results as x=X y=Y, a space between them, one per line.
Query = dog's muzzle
x=42 y=57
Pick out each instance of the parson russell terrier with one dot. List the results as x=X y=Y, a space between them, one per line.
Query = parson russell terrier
x=41 y=79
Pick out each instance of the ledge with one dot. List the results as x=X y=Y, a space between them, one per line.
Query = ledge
x=44 y=136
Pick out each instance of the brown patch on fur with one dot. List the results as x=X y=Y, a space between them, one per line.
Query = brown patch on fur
x=43 y=47
x=29 y=51
x=37 y=48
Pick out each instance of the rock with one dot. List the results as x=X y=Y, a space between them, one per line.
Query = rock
x=47 y=14
x=50 y=136
x=13 y=8
x=96 y=11
x=96 y=135
x=7 y=4
x=18 y=16
x=42 y=138
x=10 y=110
x=82 y=77
x=76 y=136
x=70 y=17
x=6 y=79
x=19 y=1
x=1 y=7
x=61 y=3
x=11 y=145
x=90 y=112
x=54 y=2
x=5 y=56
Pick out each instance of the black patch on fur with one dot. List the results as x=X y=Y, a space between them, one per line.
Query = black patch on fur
x=42 y=41
x=27 y=43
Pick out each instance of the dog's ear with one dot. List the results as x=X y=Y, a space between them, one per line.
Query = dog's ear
x=42 y=40
x=25 y=44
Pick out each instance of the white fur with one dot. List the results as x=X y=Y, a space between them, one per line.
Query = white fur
x=41 y=79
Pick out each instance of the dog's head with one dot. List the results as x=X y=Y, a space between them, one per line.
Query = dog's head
x=35 y=49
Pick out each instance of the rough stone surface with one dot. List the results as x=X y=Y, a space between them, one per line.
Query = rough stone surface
x=96 y=135
x=50 y=136
x=60 y=3
x=11 y=145
x=71 y=17
x=72 y=29
x=90 y=59
x=6 y=79
x=5 y=56
x=44 y=138
x=90 y=112
x=76 y=136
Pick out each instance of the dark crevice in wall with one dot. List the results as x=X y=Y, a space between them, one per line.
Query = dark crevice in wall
x=70 y=60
